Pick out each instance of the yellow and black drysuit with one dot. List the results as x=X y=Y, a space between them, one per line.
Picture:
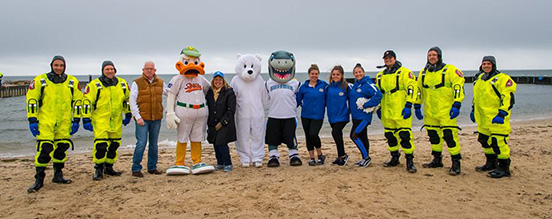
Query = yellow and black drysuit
x=399 y=89
x=441 y=90
x=53 y=109
x=105 y=101
x=493 y=99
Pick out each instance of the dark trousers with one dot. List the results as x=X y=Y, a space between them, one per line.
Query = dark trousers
x=363 y=136
x=337 y=134
x=222 y=153
x=312 y=129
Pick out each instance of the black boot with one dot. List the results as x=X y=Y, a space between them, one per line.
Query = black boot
x=39 y=180
x=58 y=174
x=455 y=169
x=489 y=165
x=436 y=162
x=394 y=159
x=109 y=170
x=410 y=163
x=502 y=170
x=98 y=175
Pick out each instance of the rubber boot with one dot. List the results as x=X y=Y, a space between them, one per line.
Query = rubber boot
x=502 y=170
x=436 y=162
x=410 y=163
x=98 y=175
x=109 y=170
x=58 y=174
x=489 y=165
x=455 y=169
x=39 y=180
x=394 y=159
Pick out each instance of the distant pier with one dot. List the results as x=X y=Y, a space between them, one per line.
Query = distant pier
x=21 y=90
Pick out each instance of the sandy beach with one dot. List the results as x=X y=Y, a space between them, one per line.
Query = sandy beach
x=298 y=192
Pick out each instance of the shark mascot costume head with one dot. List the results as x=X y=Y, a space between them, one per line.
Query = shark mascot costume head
x=282 y=88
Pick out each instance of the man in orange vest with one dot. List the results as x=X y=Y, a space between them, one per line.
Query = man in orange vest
x=146 y=104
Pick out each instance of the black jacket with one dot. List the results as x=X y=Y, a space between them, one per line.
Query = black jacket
x=221 y=111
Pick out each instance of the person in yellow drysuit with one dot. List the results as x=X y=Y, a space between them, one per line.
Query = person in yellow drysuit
x=54 y=103
x=105 y=100
x=442 y=91
x=493 y=99
x=398 y=86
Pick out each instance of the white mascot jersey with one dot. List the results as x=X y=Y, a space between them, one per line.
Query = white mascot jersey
x=251 y=97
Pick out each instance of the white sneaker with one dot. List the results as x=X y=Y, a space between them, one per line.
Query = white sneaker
x=246 y=164
x=258 y=164
x=178 y=170
x=201 y=168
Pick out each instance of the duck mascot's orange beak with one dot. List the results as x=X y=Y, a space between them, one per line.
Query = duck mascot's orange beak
x=190 y=65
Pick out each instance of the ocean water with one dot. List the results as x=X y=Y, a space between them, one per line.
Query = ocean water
x=532 y=102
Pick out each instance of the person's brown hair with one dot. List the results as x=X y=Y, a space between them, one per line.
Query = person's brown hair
x=358 y=65
x=343 y=82
x=313 y=67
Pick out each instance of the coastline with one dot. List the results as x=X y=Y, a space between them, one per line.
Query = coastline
x=303 y=192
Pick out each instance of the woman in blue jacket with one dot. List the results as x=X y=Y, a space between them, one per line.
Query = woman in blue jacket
x=364 y=98
x=338 y=110
x=312 y=98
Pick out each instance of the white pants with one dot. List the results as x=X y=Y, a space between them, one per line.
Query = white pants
x=250 y=134
x=193 y=123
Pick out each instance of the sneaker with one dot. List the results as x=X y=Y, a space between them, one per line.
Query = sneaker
x=321 y=159
x=365 y=162
x=337 y=161
x=345 y=160
x=273 y=161
x=200 y=168
x=178 y=170
x=312 y=162
x=227 y=168
x=246 y=164
x=295 y=160
x=218 y=167
x=258 y=164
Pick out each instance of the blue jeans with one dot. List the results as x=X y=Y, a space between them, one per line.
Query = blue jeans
x=152 y=127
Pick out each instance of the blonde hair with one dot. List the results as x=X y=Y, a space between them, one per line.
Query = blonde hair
x=224 y=83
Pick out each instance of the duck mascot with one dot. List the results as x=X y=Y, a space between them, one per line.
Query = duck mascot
x=187 y=112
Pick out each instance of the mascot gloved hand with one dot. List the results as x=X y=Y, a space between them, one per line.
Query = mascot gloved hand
x=171 y=118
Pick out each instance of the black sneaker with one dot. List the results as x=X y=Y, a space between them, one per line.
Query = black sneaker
x=273 y=162
x=295 y=160
x=365 y=162
x=337 y=161
x=312 y=162
x=321 y=159
x=345 y=160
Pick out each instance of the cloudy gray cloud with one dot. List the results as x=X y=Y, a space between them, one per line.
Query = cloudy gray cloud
x=323 y=32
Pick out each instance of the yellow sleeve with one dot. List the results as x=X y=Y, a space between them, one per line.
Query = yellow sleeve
x=456 y=77
x=126 y=105
x=507 y=87
x=89 y=99
x=77 y=100
x=419 y=89
x=410 y=84
x=33 y=98
x=378 y=76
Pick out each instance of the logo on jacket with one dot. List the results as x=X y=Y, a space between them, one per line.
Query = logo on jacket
x=341 y=94
x=87 y=90
x=32 y=85
x=410 y=75
x=509 y=83
x=359 y=90
x=170 y=85
x=459 y=73
x=321 y=90
x=192 y=87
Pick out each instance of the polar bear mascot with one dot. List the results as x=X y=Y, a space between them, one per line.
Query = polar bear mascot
x=187 y=111
x=251 y=96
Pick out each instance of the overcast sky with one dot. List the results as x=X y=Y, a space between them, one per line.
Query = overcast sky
x=330 y=32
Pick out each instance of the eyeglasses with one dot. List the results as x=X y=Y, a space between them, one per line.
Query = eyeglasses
x=148 y=69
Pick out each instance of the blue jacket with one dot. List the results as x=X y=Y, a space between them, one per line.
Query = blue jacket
x=366 y=88
x=312 y=100
x=337 y=102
